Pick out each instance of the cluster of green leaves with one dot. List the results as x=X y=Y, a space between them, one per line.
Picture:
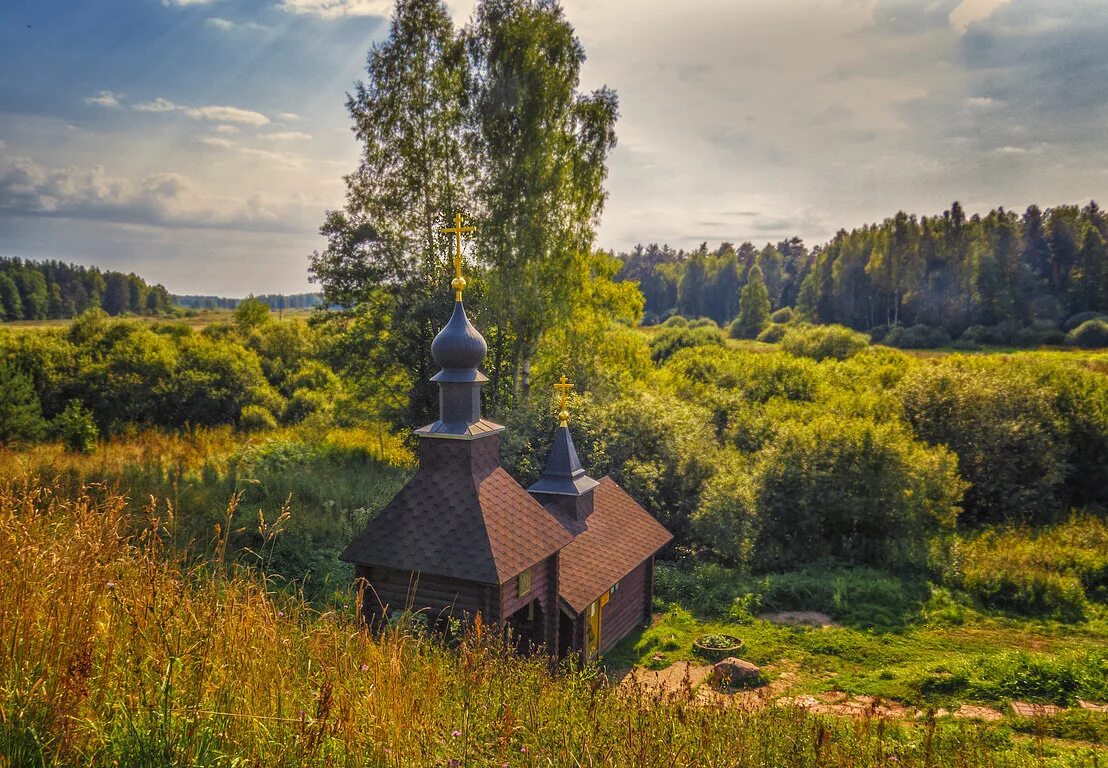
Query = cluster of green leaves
x=1054 y=571
x=101 y=376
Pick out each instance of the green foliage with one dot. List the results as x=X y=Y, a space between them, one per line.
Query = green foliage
x=783 y=315
x=1026 y=676
x=668 y=342
x=858 y=596
x=20 y=411
x=677 y=321
x=251 y=313
x=76 y=428
x=1054 y=572
x=1090 y=334
x=754 y=306
x=919 y=336
x=823 y=341
x=1010 y=438
x=256 y=418
x=771 y=334
x=32 y=290
x=844 y=489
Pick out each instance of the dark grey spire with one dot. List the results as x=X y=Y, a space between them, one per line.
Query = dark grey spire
x=564 y=474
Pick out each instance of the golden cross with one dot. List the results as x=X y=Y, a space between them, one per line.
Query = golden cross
x=459 y=282
x=564 y=388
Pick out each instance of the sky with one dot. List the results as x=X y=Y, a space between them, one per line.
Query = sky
x=198 y=143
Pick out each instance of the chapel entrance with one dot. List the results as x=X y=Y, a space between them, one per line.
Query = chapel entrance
x=524 y=628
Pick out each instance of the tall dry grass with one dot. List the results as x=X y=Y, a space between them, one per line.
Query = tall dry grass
x=113 y=652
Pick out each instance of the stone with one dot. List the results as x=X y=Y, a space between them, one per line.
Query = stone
x=1093 y=706
x=1024 y=709
x=970 y=712
x=733 y=672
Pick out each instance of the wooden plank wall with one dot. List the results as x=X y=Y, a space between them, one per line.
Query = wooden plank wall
x=391 y=590
x=626 y=609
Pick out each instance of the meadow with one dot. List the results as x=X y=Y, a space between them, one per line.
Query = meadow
x=953 y=534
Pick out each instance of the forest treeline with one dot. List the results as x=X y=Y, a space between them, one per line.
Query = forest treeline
x=993 y=277
x=275 y=301
x=45 y=290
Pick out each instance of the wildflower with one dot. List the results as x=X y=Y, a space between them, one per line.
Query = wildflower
x=523 y=749
x=365 y=667
x=452 y=763
x=110 y=585
x=281 y=614
x=456 y=734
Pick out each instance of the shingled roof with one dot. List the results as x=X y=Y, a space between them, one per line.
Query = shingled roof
x=461 y=520
x=617 y=537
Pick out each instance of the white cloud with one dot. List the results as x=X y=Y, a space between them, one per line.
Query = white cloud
x=104 y=99
x=288 y=136
x=981 y=102
x=226 y=25
x=216 y=141
x=157 y=105
x=971 y=11
x=215 y=113
x=287 y=116
x=228 y=130
x=337 y=9
x=158 y=199
x=225 y=114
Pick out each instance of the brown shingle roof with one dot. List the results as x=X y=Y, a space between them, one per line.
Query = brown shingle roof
x=457 y=520
x=617 y=537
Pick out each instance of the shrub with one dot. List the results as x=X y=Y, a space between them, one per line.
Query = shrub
x=1051 y=572
x=919 y=336
x=76 y=427
x=1075 y=320
x=783 y=315
x=256 y=418
x=772 y=334
x=666 y=343
x=1091 y=334
x=704 y=322
x=20 y=410
x=820 y=342
x=677 y=321
x=1002 y=423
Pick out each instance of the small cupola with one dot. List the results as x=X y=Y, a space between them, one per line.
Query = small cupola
x=563 y=487
x=459 y=348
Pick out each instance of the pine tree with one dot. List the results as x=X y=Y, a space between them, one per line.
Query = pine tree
x=753 y=305
x=20 y=411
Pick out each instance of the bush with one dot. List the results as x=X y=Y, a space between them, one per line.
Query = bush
x=1052 y=572
x=783 y=315
x=704 y=322
x=832 y=488
x=677 y=321
x=772 y=334
x=76 y=428
x=1005 y=428
x=820 y=342
x=256 y=418
x=1081 y=317
x=666 y=343
x=919 y=336
x=20 y=410
x=1091 y=334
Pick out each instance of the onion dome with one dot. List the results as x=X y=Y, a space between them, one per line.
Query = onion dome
x=459 y=346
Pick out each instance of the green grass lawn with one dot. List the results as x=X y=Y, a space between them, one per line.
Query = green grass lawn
x=931 y=662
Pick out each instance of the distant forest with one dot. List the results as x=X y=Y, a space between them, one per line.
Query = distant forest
x=275 y=301
x=1000 y=271
x=43 y=290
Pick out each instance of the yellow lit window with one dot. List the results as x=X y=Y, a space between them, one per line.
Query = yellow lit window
x=524 y=582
